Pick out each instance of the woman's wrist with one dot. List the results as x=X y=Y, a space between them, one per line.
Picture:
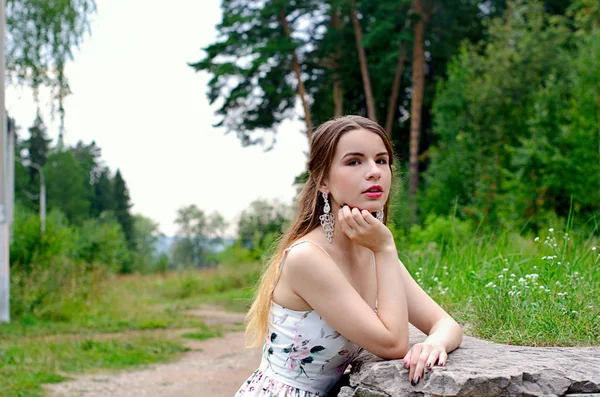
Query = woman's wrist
x=387 y=247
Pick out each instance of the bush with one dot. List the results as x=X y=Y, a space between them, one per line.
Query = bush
x=29 y=246
x=103 y=241
x=440 y=230
x=56 y=291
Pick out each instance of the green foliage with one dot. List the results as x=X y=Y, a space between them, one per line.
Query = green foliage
x=40 y=39
x=441 y=230
x=37 y=148
x=197 y=236
x=251 y=65
x=260 y=251
x=260 y=221
x=29 y=248
x=510 y=149
x=65 y=186
x=146 y=236
x=104 y=196
x=102 y=241
x=55 y=291
x=53 y=271
x=122 y=204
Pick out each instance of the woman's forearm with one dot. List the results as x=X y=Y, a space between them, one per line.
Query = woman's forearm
x=391 y=297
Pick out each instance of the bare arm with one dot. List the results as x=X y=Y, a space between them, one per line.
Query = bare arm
x=318 y=280
x=444 y=333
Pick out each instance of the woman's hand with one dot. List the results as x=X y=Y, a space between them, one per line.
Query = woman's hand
x=421 y=357
x=364 y=229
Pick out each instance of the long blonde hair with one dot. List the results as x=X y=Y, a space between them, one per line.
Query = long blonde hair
x=309 y=206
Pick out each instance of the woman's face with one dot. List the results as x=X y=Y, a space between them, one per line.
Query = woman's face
x=360 y=174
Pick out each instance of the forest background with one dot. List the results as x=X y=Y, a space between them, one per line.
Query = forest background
x=493 y=108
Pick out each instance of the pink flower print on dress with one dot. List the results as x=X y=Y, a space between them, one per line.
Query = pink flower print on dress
x=300 y=356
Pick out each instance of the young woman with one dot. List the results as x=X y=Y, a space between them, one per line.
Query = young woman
x=335 y=284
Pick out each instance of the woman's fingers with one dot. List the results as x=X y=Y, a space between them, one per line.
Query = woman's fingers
x=432 y=359
x=414 y=359
x=420 y=358
x=417 y=366
x=347 y=214
x=358 y=217
x=443 y=358
x=406 y=360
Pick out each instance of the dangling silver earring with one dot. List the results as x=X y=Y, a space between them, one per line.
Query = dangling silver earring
x=327 y=219
x=379 y=215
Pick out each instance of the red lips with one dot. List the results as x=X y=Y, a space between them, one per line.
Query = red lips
x=374 y=188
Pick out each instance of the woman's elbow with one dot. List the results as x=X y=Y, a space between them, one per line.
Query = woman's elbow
x=396 y=350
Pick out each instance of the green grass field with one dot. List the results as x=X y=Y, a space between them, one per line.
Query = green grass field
x=125 y=326
x=510 y=289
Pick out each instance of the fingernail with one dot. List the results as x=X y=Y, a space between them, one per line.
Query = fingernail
x=441 y=363
x=429 y=364
x=406 y=365
x=415 y=381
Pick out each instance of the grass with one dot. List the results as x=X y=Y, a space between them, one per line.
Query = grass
x=25 y=366
x=506 y=288
x=539 y=291
x=126 y=323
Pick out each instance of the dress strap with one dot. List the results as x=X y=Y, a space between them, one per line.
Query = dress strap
x=284 y=256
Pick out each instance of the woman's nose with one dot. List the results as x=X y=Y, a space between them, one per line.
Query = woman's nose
x=374 y=171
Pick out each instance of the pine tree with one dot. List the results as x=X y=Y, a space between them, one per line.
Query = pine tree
x=37 y=147
x=122 y=208
x=103 y=199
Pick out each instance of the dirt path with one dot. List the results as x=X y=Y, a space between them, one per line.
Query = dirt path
x=214 y=367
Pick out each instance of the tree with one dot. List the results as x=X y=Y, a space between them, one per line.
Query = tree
x=122 y=204
x=37 y=147
x=104 y=196
x=512 y=148
x=393 y=102
x=257 y=66
x=364 y=70
x=215 y=229
x=418 y=82
x=146 y=235
x=40 y=37
x=88 y=157
x=189 y=248
x=65 y=186
x=261 y=219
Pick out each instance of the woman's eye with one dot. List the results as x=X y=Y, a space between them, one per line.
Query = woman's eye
x=382 y=161
x=352 y=162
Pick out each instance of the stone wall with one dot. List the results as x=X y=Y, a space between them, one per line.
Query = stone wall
x=480 y=368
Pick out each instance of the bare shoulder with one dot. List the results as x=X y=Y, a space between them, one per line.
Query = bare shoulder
x=306 y=258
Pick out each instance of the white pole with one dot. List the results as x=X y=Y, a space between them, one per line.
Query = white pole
x=10 y=193
x=4 y=269
x=42 y=194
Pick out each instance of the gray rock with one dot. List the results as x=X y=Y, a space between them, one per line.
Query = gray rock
x=481 y=368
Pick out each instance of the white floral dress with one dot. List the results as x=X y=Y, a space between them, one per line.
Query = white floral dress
x=303 y=356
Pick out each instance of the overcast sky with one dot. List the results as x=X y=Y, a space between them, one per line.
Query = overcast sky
x=134 y=94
